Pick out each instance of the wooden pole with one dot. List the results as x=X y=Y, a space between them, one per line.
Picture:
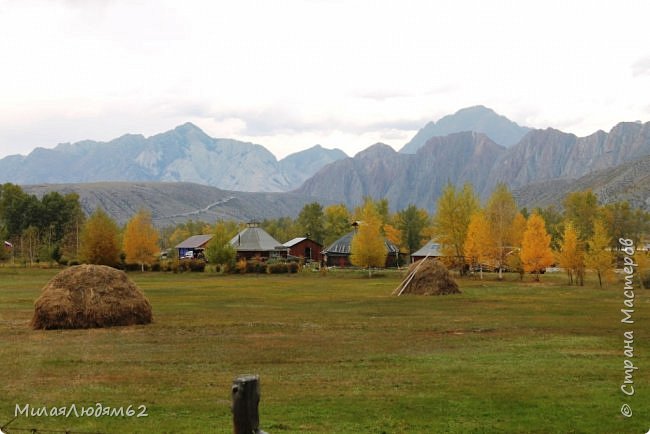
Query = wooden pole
x=245 y=400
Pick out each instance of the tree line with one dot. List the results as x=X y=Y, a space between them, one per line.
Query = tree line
x=472 y=235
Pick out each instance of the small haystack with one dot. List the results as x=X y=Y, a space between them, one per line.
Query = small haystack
x=89 y=296
x=427 y=277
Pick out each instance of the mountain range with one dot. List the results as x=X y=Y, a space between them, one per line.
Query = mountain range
x=479 y=119
x=176 y=202
x=184 y=154
x=474 y=145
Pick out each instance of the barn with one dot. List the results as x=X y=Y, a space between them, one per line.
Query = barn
x=306 y=248
x=430 y=249
x=194 y=245
x=255 y=242
x=337 y=254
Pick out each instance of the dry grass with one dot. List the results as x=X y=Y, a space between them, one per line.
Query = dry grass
x=90 y=296
x=430 y=278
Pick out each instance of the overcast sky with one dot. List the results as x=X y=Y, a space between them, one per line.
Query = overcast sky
x=294 y=73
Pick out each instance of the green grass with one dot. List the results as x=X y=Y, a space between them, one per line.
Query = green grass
x=336 y=354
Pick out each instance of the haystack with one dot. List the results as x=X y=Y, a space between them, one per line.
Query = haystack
x=428 y=277
x=89 y=296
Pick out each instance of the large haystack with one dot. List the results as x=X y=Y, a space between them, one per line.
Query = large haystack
x=428 y=277
x=89 y=296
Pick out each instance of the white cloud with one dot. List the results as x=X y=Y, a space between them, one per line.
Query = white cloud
x=294 y=73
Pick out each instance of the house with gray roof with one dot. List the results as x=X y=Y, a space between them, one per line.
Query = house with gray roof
x=195 y=244
x=430 y=249
x=338 y=253
x=255 y=242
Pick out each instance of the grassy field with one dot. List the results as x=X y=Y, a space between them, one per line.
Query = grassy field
x=336 y=354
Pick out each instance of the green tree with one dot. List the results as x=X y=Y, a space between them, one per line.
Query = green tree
x=311 y=220
x=411 y=222
x=368 y=248
x=536 y=253
x=622 y=221
x=500 y=213
x=100 y=242
x=453 y=212
x=599 y=256
x=219 y=250
x=30 y=241
x=141 y=239
x=282 y=229
x=14 y=209
x=337 y=222
x=581 y=208
x=554 y=224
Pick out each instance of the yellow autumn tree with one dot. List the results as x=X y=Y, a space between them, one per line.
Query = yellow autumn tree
x=599 y=257
x=453 y=212
x=500 y=212
x=99 y=242
x=140 y=239
x=368 y=248
x=517 y=230
x=536 y=253
x=513 y=258
x=478 y=244
x=571 y=256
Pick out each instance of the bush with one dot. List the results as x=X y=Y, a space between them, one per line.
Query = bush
x=197 y=265
x=241 y=266
x=293 y=267
x=277 y=268
x=255 y=266
x=129 y=266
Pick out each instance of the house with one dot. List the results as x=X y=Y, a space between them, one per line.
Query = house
x=338 y=253
x=194 y=246
x=430 y=249
x=305 y=248
x=255 y=242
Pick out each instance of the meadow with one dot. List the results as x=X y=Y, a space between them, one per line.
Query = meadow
x=336 y=353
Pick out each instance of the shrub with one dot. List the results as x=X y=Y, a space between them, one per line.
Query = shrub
x=196 y=265
x=255 y=266
x=277 y=268
x=293 y=267
x=241 y=266
x=130 y=266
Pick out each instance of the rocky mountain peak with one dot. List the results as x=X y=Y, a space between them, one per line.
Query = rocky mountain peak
x=479 y=119
x=378 y=150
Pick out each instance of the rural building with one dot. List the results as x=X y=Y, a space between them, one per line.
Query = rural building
x=430 y=249
x=195 y=244
x=338 y=253
x=255 y=242
x=305 y=248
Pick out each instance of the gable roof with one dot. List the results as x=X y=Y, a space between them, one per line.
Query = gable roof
x=342 y=246
x=194 y=242
x=431 y=249
x=255 y=239
x=293 y=242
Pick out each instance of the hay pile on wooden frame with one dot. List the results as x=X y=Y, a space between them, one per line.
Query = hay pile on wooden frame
x=89 y=296
x=427 y=277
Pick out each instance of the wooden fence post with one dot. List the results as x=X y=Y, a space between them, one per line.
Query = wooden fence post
x=245 y=400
